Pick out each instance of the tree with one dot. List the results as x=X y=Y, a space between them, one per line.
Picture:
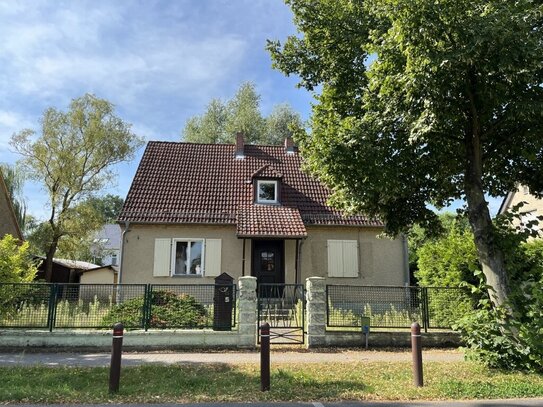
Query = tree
x=16 y=265
x=14 y=180
x=422 y=102
x=108 y=206
x=221 y=121
x=73 y=158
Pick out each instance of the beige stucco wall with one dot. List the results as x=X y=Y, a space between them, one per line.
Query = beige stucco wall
x=100 y=276
x=532 y=203
x=139 y=246
x=381 y=261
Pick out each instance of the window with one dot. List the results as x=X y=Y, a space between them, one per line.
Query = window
x=342 y=258
x=266 y=192
x=187 y=257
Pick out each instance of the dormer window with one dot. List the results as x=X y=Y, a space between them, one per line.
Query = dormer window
x=266 y=192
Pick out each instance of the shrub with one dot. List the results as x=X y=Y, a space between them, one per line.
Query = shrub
x=168 y=310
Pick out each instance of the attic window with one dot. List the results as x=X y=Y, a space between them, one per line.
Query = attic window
x=266 y=192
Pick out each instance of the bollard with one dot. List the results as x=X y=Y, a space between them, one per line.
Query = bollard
x=116 y=351
x=416 y=348
x=265 y=357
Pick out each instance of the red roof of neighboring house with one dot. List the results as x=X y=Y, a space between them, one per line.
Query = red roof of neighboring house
x=205 y=183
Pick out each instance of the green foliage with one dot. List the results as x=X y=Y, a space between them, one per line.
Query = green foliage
x=422 y=102
x=73 y=158
x=16 y=265
x=221 y=121
x=168 y=310
x=108 y=206
x=511 y=336
x=448 y=261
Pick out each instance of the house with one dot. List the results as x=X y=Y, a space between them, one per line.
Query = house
x=8 y=220
x=532 y=208
x=194 y=211
x=106 y=245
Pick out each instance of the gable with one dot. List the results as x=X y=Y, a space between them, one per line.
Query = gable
x=8 y=221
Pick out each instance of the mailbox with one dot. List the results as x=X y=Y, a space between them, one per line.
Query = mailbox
x=223 y=303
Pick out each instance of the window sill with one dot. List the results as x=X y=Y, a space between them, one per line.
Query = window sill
x=186 y=275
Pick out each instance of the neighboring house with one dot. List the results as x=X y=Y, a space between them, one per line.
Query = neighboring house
x=64 y=271
x=532 y=208
x=106 y=245
x=194 y=211
x=8 y=221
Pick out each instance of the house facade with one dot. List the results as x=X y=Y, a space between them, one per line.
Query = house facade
x=194 y=211
x=8 y=221
x=532 y=208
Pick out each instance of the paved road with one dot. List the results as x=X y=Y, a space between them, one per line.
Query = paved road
x=474 y=403
x=227 y=357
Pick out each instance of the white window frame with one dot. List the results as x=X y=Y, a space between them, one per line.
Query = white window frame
x=275 y=186
x=173 y=258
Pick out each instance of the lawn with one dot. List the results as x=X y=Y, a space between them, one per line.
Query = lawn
x=289 y=382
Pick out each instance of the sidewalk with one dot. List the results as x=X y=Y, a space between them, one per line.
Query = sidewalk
x=226 y=357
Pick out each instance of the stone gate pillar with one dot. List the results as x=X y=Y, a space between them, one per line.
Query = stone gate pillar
x=316 y=311
x=247 y=312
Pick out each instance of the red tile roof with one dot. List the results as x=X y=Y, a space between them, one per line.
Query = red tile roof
x=205 y=183
x=269 y=221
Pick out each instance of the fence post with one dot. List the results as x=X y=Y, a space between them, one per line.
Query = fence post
x=316 y=311
x=116 y=352
x=52 y=306
x=265 y=357
x=147 y=299
x=247 y=312
x=416 y=349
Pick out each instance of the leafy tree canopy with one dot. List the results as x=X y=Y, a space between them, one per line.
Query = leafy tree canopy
x=422 y=102
x=108 y=206
x=73 y=158
x=221 y=121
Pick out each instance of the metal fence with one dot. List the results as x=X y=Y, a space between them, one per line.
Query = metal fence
x=396 y=307
x=144 y=306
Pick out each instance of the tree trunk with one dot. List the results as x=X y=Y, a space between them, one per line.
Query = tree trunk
x=49 y=260
x=489 y=254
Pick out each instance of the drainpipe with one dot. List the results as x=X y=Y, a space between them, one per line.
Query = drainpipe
x=121 y=265
x=406 y=260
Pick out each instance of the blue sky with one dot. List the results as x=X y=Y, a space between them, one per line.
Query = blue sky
x=159 y=62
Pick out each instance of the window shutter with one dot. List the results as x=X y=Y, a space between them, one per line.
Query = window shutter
x=212 y=257
x=162 y=260
x=335 y=258
x=350 y=258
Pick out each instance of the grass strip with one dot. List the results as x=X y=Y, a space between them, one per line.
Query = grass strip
x=289 y=382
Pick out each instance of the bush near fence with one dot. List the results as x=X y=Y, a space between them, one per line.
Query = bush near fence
x=49 y=306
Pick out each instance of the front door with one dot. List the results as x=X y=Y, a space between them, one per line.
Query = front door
x=268 y=261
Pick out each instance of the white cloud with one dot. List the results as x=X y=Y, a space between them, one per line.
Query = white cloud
x=47 y=52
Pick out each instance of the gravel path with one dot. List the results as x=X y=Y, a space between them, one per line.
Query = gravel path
x=228 y=357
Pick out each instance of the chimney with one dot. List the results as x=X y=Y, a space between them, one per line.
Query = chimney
x=240 y=146
x=289 y=145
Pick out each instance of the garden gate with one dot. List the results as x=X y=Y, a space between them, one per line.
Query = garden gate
x=283 y=307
